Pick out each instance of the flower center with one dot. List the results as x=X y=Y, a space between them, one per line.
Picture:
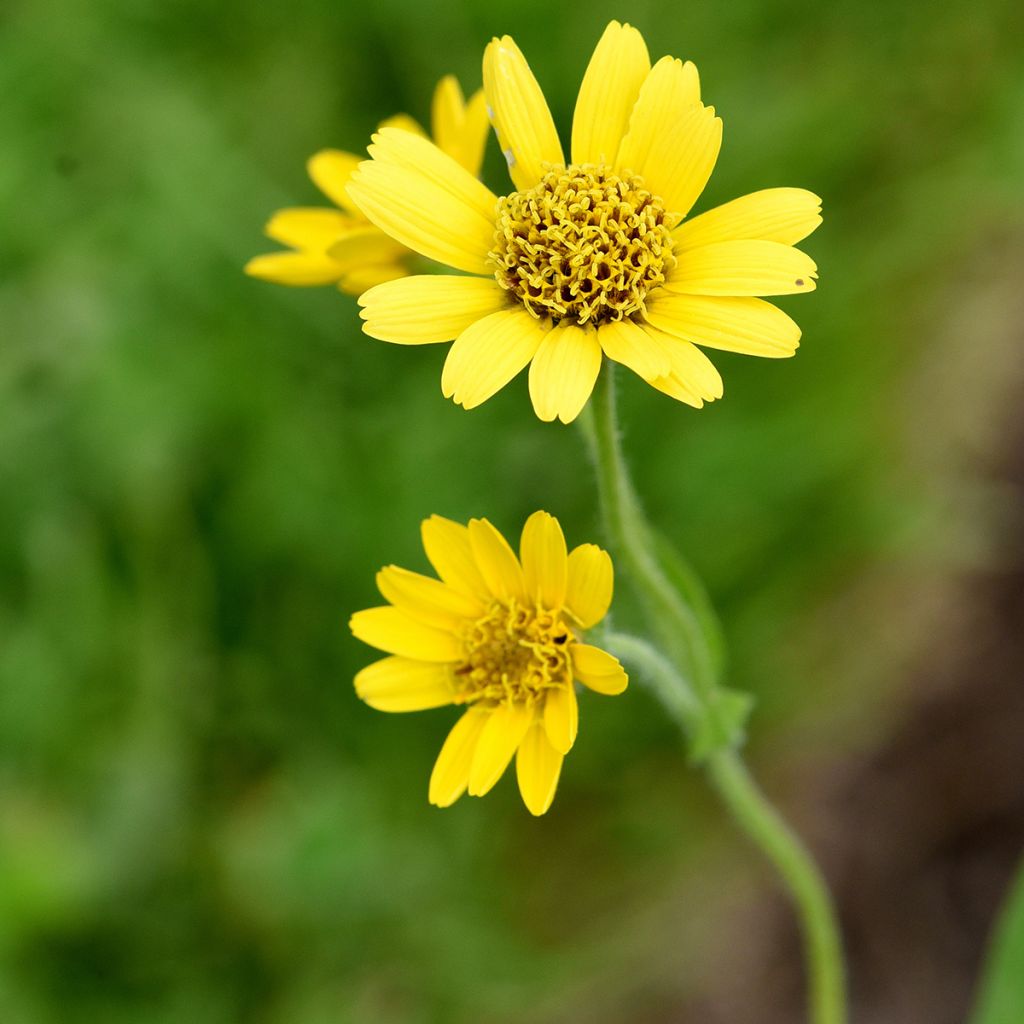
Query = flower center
x=513 y=654
x=584 y=245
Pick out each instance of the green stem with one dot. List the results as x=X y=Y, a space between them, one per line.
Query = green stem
x=694 y=696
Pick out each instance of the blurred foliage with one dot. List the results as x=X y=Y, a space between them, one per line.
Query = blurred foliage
x=1001 y=994
x=201 y=473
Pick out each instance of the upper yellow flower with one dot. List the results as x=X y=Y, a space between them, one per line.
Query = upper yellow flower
x=591 y=255
x=500 y=634
x=340 y=246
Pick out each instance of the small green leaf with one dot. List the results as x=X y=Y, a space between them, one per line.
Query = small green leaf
x=723 y=724
x=1001 y=997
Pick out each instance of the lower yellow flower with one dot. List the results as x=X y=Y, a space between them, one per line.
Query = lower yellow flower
x=340 y=246
x=501 y=635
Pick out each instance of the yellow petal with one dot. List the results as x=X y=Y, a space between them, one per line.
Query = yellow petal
x=431 y=601
x=496 y=561
x=402 y=684
x=692 y=378
x=561 y=717
x=425 y=200
x=669 y=91
x=428 y=308
x=366 y=244
x=751 y=267
x=783 y=215
x=589 y=590
x=460 y=128
x=403 y=122
x=751 y=326
x=308 y=227
x=450 y=553
x=681 y=159
x=395 y=632
x=609 y=90
x=357 y=280
x=331 y=170
x=519 y=114
x=545 y=562
x=538 y=766
x=501 y=735
x=597 y=669
x=563 y=372
x=450 y=776
x=488 y=354
x=626 y=342
x=299 y=269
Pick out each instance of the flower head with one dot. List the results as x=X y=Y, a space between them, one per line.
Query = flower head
x=591 y=255
x=500 y=635
x=339 y=245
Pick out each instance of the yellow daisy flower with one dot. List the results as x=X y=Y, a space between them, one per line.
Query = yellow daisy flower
x=591 y=255
x=340 y=246
x=501 y=635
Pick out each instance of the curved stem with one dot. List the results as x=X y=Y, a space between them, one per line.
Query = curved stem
x=699 y=705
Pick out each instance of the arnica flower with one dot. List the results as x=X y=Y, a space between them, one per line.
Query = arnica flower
x=340 y=246
x=588 y=256
x=500 y=635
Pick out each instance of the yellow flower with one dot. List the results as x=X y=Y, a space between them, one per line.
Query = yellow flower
x=501 y=635
x=588 y=256
x=340 y=246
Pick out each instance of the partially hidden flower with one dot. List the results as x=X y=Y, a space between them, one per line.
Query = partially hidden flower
x=339 y=245
x=501 y=636
x=591 y=255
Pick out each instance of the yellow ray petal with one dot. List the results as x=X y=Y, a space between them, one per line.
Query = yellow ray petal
x=431 y=601
x=669 y=91
x=561 y=717
x=538 y=766
x=544 y=558
x=749 y=267
x=404 y=123
x=563 y=372
x=626 y=342
x=450 y=776
x=692 y=377
x=402 y=684
x=519 y=114
x=590 y=582
x=299 y=269
x=681 y=159
x=496 y=561
x=393 y=631
x=428 y=308
x=488 y=354
x=741 y=324
x=597 y=669
x=331 y=170
x=783 y=215
x=460 y=128
x=365 y=245
x=450 y=553
x=424 y=199
x=308 y=227
x=356 y=280
x=500 y=738
x=609 y=90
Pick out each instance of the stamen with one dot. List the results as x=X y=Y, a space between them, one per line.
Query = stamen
x=585 y=245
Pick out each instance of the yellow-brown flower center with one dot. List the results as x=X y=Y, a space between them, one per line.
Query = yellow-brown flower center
x=513 y=655
x=585 y=245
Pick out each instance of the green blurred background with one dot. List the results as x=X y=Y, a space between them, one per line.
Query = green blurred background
x=200 y=473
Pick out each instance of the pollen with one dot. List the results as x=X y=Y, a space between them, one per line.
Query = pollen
x=514 y=654
x=586 y=245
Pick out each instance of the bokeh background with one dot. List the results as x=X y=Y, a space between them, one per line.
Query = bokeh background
x=200 y=473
